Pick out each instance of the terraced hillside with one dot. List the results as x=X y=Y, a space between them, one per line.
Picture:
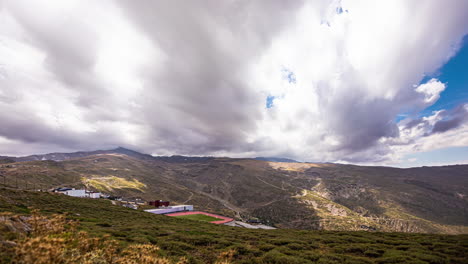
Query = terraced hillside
x=203 y=242
x=287 y=195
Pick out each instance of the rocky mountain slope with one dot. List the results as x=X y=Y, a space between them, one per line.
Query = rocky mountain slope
x=287 y=195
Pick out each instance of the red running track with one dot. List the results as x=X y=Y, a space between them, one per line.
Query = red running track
x=225 y=219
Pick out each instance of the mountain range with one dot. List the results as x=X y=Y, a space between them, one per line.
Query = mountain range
x=283 y=193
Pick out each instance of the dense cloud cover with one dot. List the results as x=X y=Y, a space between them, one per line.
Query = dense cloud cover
x=193 y=77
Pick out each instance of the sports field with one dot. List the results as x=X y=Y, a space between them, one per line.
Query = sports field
x=199 y=217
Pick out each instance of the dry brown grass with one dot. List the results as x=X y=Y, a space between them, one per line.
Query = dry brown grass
x=226 y=257
x=57 y=240
x=300 y=167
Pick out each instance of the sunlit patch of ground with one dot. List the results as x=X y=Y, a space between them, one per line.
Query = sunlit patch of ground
x=110 y=183
x=294 y=166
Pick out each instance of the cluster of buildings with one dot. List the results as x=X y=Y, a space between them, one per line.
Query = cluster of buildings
x=131 y=203
x=161 y=207
x=166 y=209
x=159 y=203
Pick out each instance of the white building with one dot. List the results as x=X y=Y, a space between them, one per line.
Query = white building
x=71 y=192
x=94 y=195
x=76 y=193
x=171 y=209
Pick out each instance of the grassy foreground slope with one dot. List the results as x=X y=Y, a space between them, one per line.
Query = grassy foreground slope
x=203 y=242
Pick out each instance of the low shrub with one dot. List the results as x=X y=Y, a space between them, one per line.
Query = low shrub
x=276 y=257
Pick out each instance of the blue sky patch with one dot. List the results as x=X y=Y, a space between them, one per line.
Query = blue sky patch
x=455 y=75
x=436 y=157
x=400 y=117
x=339 y=10
x=289 y=75
x=269 y=101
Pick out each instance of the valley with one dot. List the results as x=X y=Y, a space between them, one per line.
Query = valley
x=283 y=194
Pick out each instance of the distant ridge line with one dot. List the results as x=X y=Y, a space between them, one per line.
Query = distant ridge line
x=275 y=159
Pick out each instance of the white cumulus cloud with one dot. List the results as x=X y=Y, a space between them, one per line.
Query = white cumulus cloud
x=431 y=90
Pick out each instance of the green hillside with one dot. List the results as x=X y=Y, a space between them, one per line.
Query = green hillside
x=203 y=242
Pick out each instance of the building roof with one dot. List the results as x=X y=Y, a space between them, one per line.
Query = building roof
x=63 y=189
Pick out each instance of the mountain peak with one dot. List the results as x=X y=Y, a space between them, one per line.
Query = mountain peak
x=130 y=152
x=122 y=149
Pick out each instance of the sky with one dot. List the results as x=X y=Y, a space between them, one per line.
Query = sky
x=363 y=82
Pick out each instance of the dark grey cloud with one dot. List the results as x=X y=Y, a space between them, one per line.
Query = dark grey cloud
x=70 y=45
x=358 y=121
x=440 y=122
x=25 y=127
x=201 y=100
x=452 y=119
x=414 y=122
